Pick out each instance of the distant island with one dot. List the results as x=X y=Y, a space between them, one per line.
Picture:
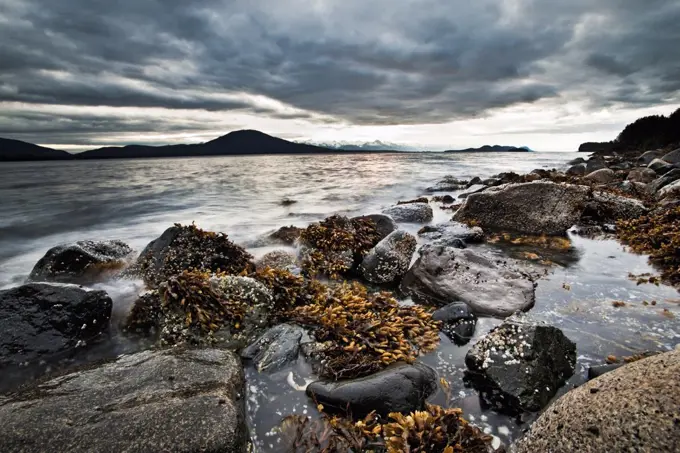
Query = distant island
x=493 y=149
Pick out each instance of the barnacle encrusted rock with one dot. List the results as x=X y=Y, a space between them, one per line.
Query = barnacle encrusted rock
x=336 y=245
x=279 y=259
x=169 y=400
x=188 y=247
x=276 y=348
x=399 y=388
x=81 y=262
x=389 y=260
x=490 y=286
x=520 y=365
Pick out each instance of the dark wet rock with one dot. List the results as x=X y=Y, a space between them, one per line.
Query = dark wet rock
x=578 y=160
x=279 y=259
x=182 y=248
x=445 y=199
x=672 y=190
x=489 y=182
x=46 y=321
x=276 y=348
x=634 y=408
x=577 y=170
x=661 y=167
x=474 y=181
x=458 y=322
x=594 y=164
x=389 y=260
x=81 y=262
x=519 y=366
x=624 y=165
x=173 y=400
x=452 y=233
x=411 y=213
x=448 y=184
x=530 y=208
x=417 y=200
x=664 y=180
x=474 y=189
x=606 y=207
x=593 y=231
x=673 y=157
x=602 y=176
x=383 y=223
x=647 y=157
x=287 y=234
x=399 y=388
x=643 y=175
x=598 y=370
x=489 y=286
x=287 y=202
x=509 y=177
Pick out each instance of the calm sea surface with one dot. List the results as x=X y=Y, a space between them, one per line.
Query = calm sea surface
x=48 y=203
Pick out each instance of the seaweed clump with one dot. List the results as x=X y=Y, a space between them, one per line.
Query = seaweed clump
x=436 y=430
x=336 y=244
x=289 y=290
x=366 y=332
x=194 y=249
x=656 y=234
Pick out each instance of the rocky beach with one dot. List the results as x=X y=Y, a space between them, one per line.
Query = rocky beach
x=520 y=312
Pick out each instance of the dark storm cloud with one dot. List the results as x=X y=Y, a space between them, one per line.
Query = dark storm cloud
x=378 y=62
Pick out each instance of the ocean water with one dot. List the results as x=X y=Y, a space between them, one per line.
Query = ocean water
x=49 y=203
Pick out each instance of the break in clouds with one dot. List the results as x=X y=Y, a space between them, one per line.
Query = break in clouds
x=72 y=70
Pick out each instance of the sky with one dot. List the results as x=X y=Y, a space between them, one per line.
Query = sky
x=436 y=74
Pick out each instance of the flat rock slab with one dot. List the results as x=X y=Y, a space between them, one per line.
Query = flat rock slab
x=531 y=208
x=633 y=408
x=399 y=388
x=490 y=286
x=173 y=401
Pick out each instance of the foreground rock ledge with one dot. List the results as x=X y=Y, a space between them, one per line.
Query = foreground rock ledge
x=634 y=408
x=173 y=401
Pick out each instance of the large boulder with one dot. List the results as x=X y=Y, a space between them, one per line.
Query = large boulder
x=673 y=157
x=80 y=262
x=531 y=208
x=577 y=170
x=399 y=388
x=633 y=408
x=452 y=233
x=605 y=207
x=594 y=164
x=644 y=175
x=44 y=321
x=383 y=223
x=602 y=176
x=664 y=180
x=389 y=260
x=411 y=213
x=458 y=322
x=661 y=167
x=519 y=366
x=490 y=286
x=672 y=190
x=276 y=348
x=648 y=156
x=180 y=401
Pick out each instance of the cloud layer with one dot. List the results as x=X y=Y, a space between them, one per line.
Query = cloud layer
x=79 y=71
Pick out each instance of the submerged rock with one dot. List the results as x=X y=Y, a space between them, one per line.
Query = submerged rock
x=458 y=322
x=182 y=248
x=80 y=262
x=44 y=321
x=519 y=366
x=411 y=213
x=400 y=388
x=389 y=260
x=489 y=286
x=277 y=348
x=531 y=208
x=180 y=401
x=633 y=408
x=450 y=233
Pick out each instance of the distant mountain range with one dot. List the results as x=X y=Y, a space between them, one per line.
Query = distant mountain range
x=493 y=149
x=242 y=142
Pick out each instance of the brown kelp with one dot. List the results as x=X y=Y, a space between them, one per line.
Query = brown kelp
x=656 y=234
x=336 y=243
x=434 y=430
x=366 y=332
x=290 y=291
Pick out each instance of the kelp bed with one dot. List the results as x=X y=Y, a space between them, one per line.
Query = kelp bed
x=434 y=430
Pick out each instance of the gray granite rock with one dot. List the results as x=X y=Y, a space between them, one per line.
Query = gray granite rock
x=275 y=349
x=602 y=176
x=411 y=213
